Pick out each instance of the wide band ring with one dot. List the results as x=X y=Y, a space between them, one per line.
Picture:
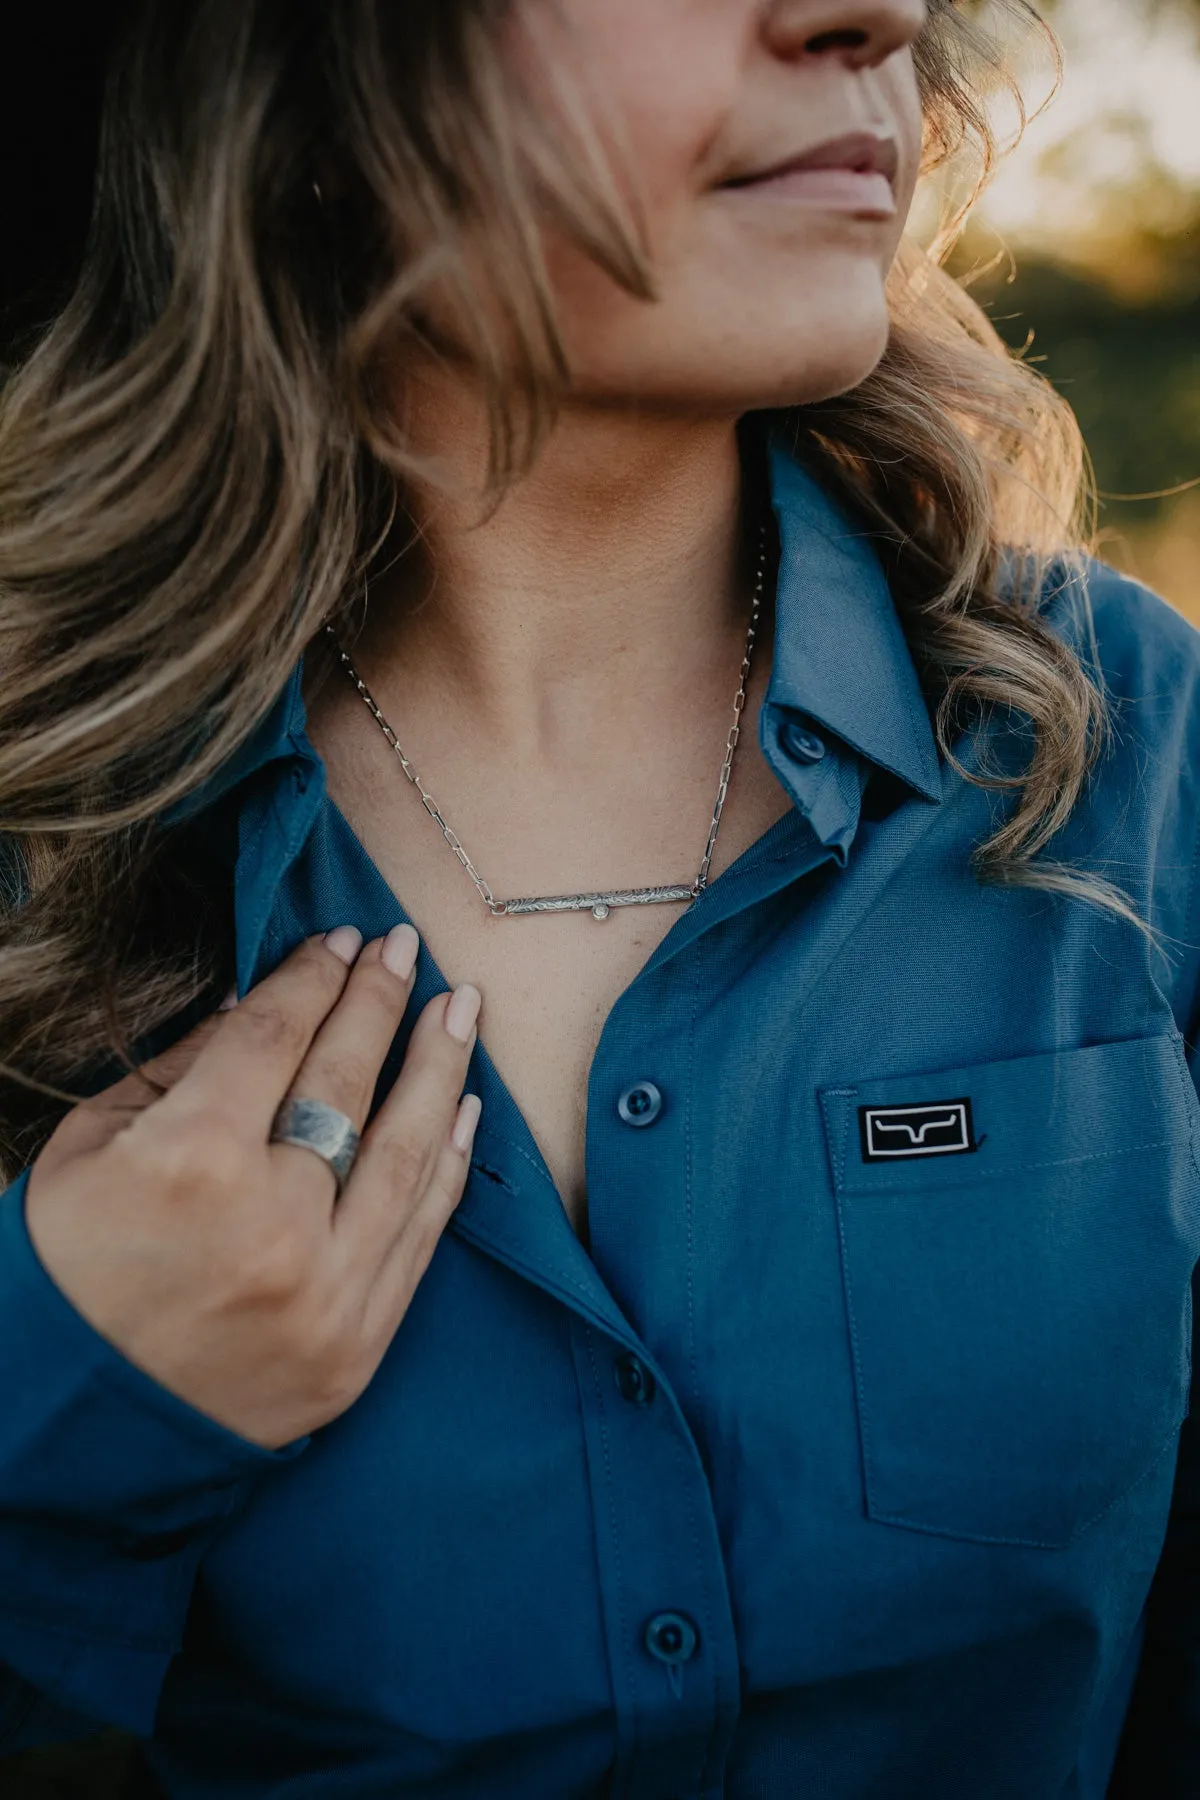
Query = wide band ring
x=316 y=1126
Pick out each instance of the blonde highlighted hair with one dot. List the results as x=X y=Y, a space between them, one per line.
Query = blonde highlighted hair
x=198 y=461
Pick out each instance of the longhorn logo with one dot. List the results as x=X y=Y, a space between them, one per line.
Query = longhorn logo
x=899 y=1133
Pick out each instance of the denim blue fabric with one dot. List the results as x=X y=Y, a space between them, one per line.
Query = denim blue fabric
x=822 y=1472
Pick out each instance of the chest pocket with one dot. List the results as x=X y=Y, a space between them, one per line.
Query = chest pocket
x=1017 y=1274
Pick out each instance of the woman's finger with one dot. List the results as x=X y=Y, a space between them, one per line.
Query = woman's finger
x=95 y=1121
x=244 y=1069
x=148 y=1083
x=402 y=1146
x=344 y=1060
x=402 y=1267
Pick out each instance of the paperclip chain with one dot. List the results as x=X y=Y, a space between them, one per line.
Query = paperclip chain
x=598 y=904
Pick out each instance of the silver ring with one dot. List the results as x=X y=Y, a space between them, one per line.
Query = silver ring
x=314 y=1125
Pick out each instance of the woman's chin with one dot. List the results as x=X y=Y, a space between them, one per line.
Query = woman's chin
x=774 y=362
x=831 y=358
x=790 y=375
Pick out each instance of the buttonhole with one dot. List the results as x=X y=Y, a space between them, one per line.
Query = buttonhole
x=491 y=1174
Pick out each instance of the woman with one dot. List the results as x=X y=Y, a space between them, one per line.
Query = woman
x=766 y=1379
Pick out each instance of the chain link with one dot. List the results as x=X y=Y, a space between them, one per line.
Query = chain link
x=494 y=906
x=498 y=908
x=735 y=730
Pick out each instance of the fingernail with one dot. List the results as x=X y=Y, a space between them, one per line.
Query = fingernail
x=345 y=941
x=463 y=1011
x=399 y=952
x=466 y=1120
x=230 y=1000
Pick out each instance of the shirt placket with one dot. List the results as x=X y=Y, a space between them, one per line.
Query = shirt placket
x=660 y=1569
x=668 y=1611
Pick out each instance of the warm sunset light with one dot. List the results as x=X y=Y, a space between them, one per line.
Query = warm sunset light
x=1099 y=209
x=1121 y=139
x=696 y=1294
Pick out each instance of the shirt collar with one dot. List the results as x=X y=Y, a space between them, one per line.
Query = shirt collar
x=841 y=657
x=279 y=735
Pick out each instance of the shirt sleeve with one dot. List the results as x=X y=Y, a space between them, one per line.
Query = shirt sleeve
x=1160 y=1749
x=28 y=1721
x=110 y=1489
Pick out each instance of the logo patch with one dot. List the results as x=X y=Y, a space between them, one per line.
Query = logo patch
x=900 y=1133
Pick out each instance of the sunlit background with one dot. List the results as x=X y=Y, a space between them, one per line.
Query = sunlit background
x=1099 y=208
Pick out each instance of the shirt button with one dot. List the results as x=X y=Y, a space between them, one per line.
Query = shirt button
x=671 y=1637
x=802 y=743
x=641 y=1104
x=634 y=1381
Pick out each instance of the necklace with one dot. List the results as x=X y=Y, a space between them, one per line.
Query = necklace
x=599 y=905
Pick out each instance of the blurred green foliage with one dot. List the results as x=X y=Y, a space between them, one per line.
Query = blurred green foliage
x=1108 y=306
x=1126 y=356
x=1118 y=333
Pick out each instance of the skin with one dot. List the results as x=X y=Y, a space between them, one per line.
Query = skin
x=762 y=301
x=565 y=671
x=605 y=603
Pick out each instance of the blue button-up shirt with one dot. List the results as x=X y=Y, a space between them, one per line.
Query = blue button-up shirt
x=841 y=1463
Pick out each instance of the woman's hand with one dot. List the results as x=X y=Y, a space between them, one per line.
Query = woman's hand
x=222 y=1264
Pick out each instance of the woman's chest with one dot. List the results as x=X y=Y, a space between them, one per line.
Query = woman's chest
x=875 y=1361
x=549 y=984
x=550 y=981
x=834 y=1413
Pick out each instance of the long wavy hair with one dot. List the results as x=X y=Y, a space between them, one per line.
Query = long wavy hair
x=198 y=461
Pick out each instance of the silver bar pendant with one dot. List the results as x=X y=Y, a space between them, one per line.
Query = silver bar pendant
x=600 y=905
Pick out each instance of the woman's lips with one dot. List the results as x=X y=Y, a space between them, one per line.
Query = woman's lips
x=863 y=191
x=855 y=173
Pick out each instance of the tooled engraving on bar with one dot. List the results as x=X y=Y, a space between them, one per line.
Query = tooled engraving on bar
x=599 y=905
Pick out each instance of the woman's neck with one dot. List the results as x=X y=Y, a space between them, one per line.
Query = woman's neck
x=610 y=578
